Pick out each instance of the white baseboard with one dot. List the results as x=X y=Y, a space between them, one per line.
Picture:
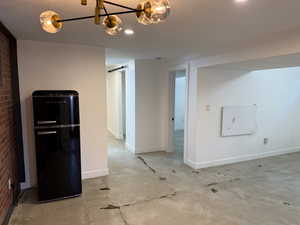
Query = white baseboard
x=94 y=174
x=191 y=164
x=145 y=150
x=130 y=148
x=25 y=186
x=117 y=136
x=151 y=149
x=231 y=160
x=85 y=175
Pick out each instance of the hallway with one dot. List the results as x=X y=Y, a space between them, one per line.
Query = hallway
x=179 y=144
x=155 y=188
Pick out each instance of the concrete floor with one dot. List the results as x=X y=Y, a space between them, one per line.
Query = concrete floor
x=159 y=190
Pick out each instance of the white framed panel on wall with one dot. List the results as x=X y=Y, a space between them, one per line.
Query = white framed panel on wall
x=238 y=120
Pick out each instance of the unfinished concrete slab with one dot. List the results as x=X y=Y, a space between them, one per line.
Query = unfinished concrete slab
x=164 y=191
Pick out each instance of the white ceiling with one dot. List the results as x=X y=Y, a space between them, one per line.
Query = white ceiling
x=205 y=27
x=276 y=62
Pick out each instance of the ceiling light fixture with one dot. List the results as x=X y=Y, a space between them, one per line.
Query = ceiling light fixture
x=147 y=12
x=240 y=1
x=128 y=32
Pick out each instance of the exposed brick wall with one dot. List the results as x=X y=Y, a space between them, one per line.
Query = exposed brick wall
x=8 y=145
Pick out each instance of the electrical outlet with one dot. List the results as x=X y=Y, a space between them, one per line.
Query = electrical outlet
x=266 y=141
x=9 y=184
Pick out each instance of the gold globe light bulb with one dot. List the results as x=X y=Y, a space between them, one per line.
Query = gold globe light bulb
x=84 y=2
x=144 y=13
x=112 y=25
x=49 y=22
x=160 y=10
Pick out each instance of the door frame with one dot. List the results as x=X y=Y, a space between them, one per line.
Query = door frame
x=123 y=102
x=172 y=77
x=121 y=116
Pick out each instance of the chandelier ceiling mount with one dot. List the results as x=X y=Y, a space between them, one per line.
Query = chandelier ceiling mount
x=147 y=12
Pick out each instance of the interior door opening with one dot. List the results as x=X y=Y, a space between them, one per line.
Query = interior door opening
x=178 y=112
x=116 y=106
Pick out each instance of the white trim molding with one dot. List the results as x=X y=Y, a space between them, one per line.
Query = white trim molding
x=94 y=173
x=151 y=149
x=26 y=185
x=130 y=148
x=232 y=160
x=172 y=69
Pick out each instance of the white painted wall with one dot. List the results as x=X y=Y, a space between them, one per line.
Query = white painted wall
x=277 y=95
x=130 y=106
x=51 y=66
x=123 y=103
x=151 y=105
x=114 y=104
x=180 y=95
x=281 y=52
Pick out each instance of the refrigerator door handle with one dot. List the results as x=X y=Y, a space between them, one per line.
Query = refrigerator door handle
x=46 y=122
x=46 y=132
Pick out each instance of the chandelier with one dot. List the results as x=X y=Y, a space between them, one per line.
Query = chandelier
x=147 y=12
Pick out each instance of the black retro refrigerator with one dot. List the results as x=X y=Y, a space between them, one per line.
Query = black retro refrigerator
x=57 y=139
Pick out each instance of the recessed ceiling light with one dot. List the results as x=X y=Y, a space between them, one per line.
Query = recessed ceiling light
x=128 y=32
x=240 y=1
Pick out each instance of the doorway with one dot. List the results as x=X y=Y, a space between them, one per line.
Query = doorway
x=178 y=90
x=123 y=102
x=116 y=104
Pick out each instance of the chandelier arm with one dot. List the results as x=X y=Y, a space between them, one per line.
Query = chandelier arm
x=121 y=6
x=102 y=15
x=76 y=18
x=106 y=12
